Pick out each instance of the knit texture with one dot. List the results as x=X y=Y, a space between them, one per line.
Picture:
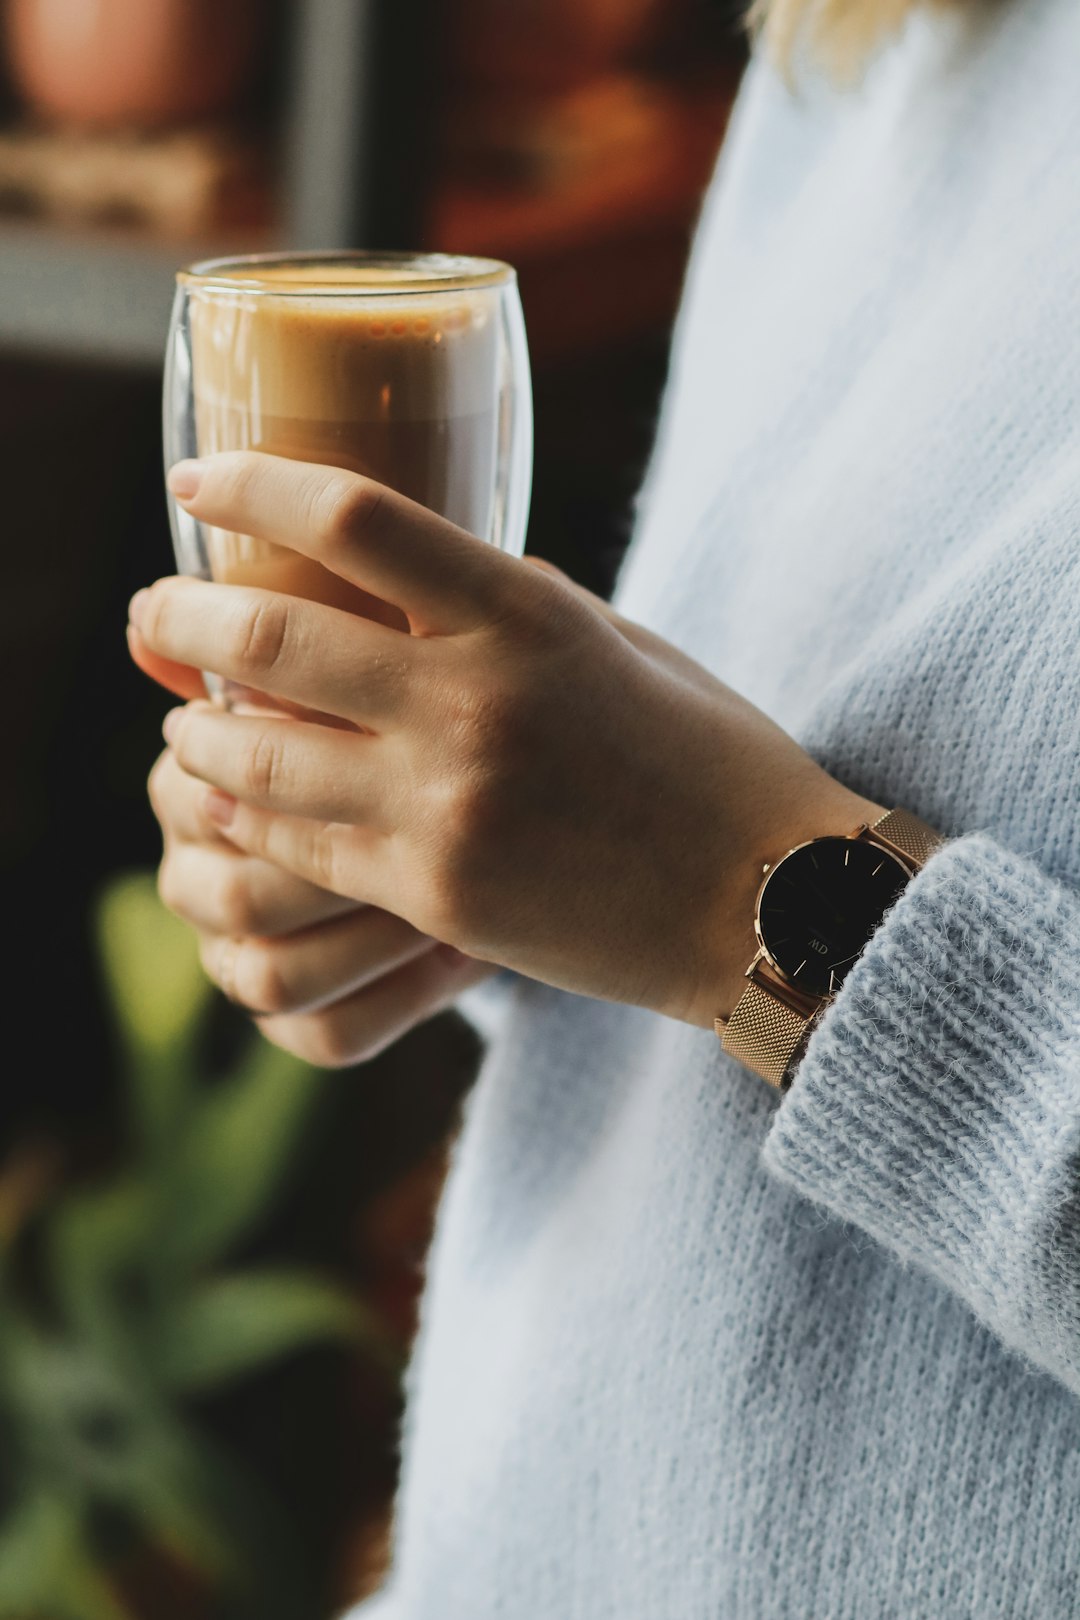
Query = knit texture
x=955 y=1139
x=689 y=1352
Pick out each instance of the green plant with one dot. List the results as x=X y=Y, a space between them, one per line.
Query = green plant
x=118 y=1309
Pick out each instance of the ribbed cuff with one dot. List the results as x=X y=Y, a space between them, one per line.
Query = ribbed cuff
x=938 y=1104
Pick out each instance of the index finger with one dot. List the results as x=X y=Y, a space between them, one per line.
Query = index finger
x=318 y=658
x=441 y=577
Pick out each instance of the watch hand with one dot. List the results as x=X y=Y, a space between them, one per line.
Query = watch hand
x=824 y=898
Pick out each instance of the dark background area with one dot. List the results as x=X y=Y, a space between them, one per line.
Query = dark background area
x=579 y=151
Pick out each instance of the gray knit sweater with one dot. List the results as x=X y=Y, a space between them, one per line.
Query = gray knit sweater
x=690 y=1352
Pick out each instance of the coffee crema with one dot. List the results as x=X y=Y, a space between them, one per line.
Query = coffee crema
x=399 y=385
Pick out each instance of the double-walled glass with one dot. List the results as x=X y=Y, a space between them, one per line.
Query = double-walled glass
x=411 y=369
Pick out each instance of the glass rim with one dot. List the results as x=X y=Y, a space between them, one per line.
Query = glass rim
x=430 y=273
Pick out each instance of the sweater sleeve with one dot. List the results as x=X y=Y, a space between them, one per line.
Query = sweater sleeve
x=377 y=1607
x=938 y=1104
x=487 y=1005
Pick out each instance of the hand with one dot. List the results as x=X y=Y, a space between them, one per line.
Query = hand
x=331 y=980
x=537 y=782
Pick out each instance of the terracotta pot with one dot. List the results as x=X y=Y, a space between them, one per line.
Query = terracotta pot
x=130 y=63
x=550 y=43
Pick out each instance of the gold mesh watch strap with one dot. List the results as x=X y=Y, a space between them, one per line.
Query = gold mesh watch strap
x=767 y=1033
x=764 y=1033
x=906 y=833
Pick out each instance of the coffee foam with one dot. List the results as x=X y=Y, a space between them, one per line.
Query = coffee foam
x=382 y=358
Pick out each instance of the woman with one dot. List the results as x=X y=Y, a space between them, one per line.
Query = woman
x=693 y=1345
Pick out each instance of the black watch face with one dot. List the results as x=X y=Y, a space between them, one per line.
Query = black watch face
x=821 y=904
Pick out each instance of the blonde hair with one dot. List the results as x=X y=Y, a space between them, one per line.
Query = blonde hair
x=840 y=34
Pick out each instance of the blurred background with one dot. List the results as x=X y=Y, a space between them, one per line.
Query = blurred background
x=209 y=1256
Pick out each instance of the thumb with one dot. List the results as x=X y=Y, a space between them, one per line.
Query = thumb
x=625 y=627
x=579 y=590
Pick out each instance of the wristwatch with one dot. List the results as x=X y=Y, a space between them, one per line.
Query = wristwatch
x=816 y=910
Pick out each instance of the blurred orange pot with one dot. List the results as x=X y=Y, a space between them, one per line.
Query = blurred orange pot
x=130 y=63
x=550 y=43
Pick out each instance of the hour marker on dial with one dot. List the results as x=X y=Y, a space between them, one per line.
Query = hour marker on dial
x=819 y=906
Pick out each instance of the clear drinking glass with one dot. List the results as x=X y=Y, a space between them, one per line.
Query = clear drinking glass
x=411 y=369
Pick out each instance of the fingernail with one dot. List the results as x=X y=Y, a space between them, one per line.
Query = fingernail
x=184 y=480
x=136 y=607
x=171 y=724
x=220 y=807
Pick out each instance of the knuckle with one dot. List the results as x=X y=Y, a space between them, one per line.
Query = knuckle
x=467 y=816
x=261 y=769
x=347 y=507
x=232 y=905
x=263 y=633
x=544 y=565
x=258 y=981
x=324 y=860
x=493 y=740
x=491 y=723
